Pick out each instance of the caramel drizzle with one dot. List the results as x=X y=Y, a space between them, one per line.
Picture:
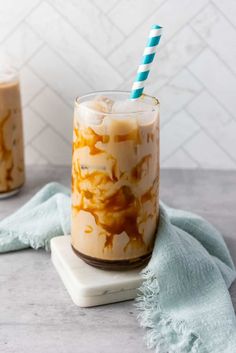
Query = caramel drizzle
x=141 y=169
x=150 y=136
x=113 y=213
x=88 y=229
x=6 y=154
x=150 y=193
x=134 y=135
x=87 y=137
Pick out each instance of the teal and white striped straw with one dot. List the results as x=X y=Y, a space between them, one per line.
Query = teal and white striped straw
x=147 y=59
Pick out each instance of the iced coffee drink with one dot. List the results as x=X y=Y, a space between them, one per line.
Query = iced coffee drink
x=11 y=135
x=115 y=179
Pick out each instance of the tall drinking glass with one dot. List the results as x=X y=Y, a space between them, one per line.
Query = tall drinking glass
x=12 y=169
x=115 y=179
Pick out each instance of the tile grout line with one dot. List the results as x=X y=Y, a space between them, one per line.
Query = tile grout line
x=25 y=62
x=191 y=157
x=205 y=89
x=51 y=127
x=33 y=54
x=222 y=13
x=112 y=8
x=216 y=54
x=49 y=87
x=34 y=96
x=193 y=98
x=43 y=122
x=20 y=22
x=136 y=27
x=181 y=148
x=168 y=82
x=172 y=116
x=107 y=15
x=91 y=45
x=177 y=72
x=39 y=152
x=44 y=156
x=211 y=94
x=171 y=37
x=213 y=139
x=182 y=144
x=62 y=59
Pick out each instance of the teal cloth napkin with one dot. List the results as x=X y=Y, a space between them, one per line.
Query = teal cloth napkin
x=45 y=216
x=184 y=301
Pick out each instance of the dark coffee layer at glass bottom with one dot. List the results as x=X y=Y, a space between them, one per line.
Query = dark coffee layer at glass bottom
x=115 y=265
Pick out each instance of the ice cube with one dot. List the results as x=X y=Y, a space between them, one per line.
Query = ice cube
x=106 y=102
x=130 y=106
x=142 y=112
x=93 y=112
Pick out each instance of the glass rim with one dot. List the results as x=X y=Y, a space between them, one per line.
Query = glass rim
x=154 y=105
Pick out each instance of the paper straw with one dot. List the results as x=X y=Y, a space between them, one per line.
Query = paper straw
x=147 y=59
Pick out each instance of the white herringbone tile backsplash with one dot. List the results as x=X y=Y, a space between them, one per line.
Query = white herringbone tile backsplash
x=66 y=48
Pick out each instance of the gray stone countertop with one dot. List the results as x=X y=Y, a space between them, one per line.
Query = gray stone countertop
x=37 y=314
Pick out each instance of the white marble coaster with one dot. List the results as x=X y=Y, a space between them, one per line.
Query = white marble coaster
x=87 y=285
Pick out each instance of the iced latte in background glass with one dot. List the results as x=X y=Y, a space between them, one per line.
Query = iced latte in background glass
x=12 y=173
x=115 y=179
